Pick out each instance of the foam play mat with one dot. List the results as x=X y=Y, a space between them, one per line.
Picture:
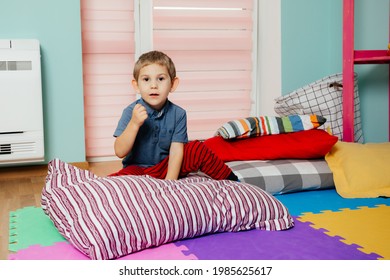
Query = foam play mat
x=327 y=227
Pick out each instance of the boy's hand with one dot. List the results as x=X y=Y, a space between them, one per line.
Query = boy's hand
x=124 y=142
x=139 y=115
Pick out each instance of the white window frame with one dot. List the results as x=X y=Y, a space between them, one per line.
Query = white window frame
x=269 y=60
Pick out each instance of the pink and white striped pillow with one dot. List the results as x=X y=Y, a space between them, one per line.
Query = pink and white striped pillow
x=109 y=217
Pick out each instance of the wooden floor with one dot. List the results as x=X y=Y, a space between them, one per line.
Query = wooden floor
x=21 y=187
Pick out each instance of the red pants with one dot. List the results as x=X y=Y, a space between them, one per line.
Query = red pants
x=197 y=156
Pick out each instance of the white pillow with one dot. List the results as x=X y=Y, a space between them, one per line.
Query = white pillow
x=323 y=97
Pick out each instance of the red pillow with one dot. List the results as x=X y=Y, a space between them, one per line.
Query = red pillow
x=306 y=144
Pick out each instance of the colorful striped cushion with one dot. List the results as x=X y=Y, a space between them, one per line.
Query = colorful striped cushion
x=267 y=125
x=109 y=217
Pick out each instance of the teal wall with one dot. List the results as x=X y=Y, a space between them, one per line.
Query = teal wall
x=56 y=24
x=311 y=41
x=372 y=32
x=312 y=48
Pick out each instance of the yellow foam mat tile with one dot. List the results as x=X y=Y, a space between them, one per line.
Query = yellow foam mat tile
x=368 y=228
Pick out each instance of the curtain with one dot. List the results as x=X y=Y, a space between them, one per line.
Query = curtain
x=108 y=59
x=210 y=42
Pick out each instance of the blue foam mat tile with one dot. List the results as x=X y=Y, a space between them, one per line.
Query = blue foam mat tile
x=321 y=200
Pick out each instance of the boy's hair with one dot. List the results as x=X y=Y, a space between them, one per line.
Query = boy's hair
x=151 y=58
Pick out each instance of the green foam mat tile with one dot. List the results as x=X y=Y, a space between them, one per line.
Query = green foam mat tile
x=30 y=226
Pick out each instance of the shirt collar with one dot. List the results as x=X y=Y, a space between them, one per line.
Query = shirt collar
x=154 y=113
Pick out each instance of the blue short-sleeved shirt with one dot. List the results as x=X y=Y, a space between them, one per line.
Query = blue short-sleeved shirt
x=155 y=136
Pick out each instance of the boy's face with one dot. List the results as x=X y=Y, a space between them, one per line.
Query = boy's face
x=154 y=85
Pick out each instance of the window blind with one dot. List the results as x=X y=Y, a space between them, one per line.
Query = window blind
x=210 y=42
x=108 y=59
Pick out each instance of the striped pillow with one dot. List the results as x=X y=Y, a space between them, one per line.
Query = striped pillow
x=267 y=125
x=109 y=217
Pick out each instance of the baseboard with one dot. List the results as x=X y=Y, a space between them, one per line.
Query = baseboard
x=16 y=172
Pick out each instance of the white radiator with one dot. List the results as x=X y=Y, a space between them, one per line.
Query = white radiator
x=21 y=116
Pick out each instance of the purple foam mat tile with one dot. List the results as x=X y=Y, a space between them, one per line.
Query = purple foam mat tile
x=371 y=256
x=301 y=242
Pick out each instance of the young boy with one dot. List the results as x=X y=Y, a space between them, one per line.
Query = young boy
x=151 y=135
